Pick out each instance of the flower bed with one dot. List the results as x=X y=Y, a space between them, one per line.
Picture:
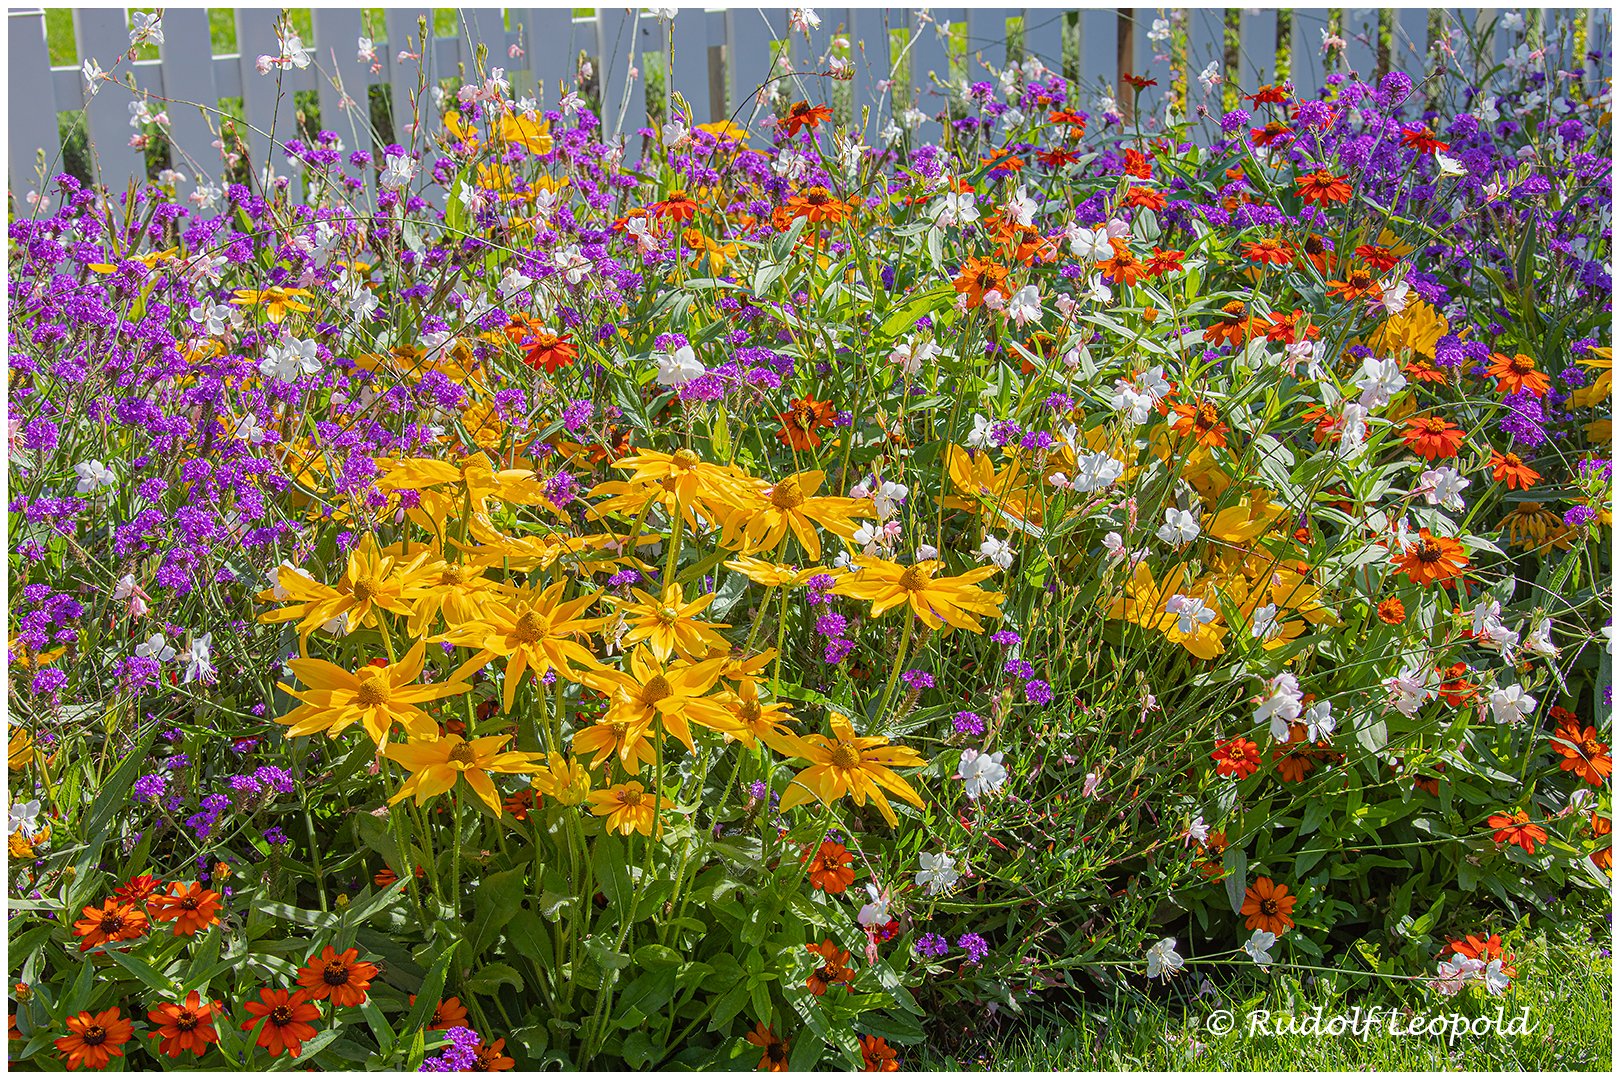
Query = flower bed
x=782 y=603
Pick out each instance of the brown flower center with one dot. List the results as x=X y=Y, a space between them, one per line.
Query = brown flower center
x=530 y=628
x=373 y=690
x=914 y=579
x=656 y=689
x=749 y=712
x=281 y=1015
x=186 y=1021
x=112 y=924
x=687 y=459
x=1268 y=906
x=190 y=903
x=845 y=756
x=337 y=974
x=1522 y=365
x=1207 y=416
x=817 y=196
x=463 y=754
x=94 y=1035
x=629 y=797
x=1428 y=551
x=453 y=574
x=787 y=495
x=1233 y=309
x=365 y=588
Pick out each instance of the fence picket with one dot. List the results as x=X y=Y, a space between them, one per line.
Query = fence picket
x=1305 y=55
x=624 y=107
x=873 y=64
x=481 y=26
x=1099 y=54
x=987 y=38
x=185 y=37
x=689 y=67
x=347 y=112
x=1359 y=28
x=1411 y=51
x=33 y=130
x=1257 y=57
x=267 y=100
x=930 y=61
x=751 y=52
x=102 y=34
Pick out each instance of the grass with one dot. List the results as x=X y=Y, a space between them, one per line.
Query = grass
x=1566 y=987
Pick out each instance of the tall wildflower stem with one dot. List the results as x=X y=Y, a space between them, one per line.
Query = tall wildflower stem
x=899 y=662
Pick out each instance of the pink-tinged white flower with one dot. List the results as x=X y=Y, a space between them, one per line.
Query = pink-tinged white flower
x=1090 y=244
x=144 y=27
x=93 y=477
x=1281 y=706
x=1410 y=689
x=981 y=774
x=938 y=874
x=679 y=367
x=1540 y=642
x=1259 y=947
x=1197 y=832
x=1180 y=526
x=1190 y=612
x=156 y=648
x=132 y=594
x=398 y=170
x=1163 y=961
x=1264 y=623
x=1511 y=705
x=876 y=912
x=1319 y=721
x=1443 y=487
x=197 y=660
x=1088 y=790
x=953 y=209
x=997 y=551
x=1094 y=472
x=1025 y=306
x=1379 y=380
x=803 y=20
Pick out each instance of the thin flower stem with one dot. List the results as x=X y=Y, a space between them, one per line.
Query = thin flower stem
x=899 y=662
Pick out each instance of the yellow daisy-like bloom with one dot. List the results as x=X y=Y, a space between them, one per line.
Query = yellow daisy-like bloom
x=1533 y=527
x=766 y=514
x=533 y=629
x=772 y=575
x=937 y=601
x=563 y=779
x=682 y=482
x=1144 y=601
x=454 y=588
x=1597 y=393
x=19 y=750
x=628 y=808
x=1004 y=495
x=765 y=722
x=847 y=764
x=376 y=697
x=606 y=737
x=650 y=690
x=277 y=300
x=436 y=765
x=669 y=624
x=371 y=581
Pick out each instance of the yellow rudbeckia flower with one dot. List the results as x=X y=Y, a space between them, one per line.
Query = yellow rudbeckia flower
x=436 y=766
x=937 y=601
x=847 y=764
x=376 y=697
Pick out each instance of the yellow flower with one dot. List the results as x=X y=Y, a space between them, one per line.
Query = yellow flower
x=1601 y=361
x=371 y=581
x=563 y=779
x=764 y=572
x=1005 y=495
x=533 y=629
x=757 y=720
x=1144 y=601
x=671 y=624
x=609 y=736
x=937 y=601
x=1418 y=328
x=628 y=808
x=24 y=847
x=435 y=766
x=1533 y=527
x=650 y=691
x=682 y=483
x=453 y=588
x=277 y=300
x=850 y=765
x=20 y=751
x=377 y=697
x=765 y=515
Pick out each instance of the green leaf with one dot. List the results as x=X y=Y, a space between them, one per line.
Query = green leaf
x=497 y=898
x=154 y=979
x=427 y=995
x=489 y=978
x=610 y=860
x=1235 y=861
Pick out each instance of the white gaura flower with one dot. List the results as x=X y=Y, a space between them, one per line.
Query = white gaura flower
x=1410 y=689
x=997 y=551
x=981 y=774
x=887 y=497
x=93 y=78
x=1025 y=306
x=1264 y=624
x=1394 y=295
x=398 y=170
x=1093 y=472
x=679 y=367
x=1540 y=642
x=1197 y=831
x=23 y=817
x=1443 y=487
x=198 y=660
x=1097 y=290
x=93 y=476
x=145 y=27
x=286 y=360
x=1190 y=612
x=979 y=437
x=1180 y=526
x=128 y=591
x=1163 y=961
x=1449 y=166
x=1258 y=947
x=1510 y=704
x=249 y=430
x=938 y=873
x=156 y=648
x=1379 y=381
x=1090 y=244
x=1281 y=706
x=875 y=913
x=954 y=208
x=1497 y=981
x=1319 y=721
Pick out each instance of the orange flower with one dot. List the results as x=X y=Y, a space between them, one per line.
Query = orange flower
x=1517 y=375
x=1288 y=328
x=184 y=1026
x=1269 y=250
x=1356 y=284
x=800 y=423
x=805 y=115
x=831 y=868
x=1272 y=132
x=1237 y=757
x=877 y=1055
x=1434 y=438
x=190 y=907
x=447 y=1014
x=1267 y=906
x=1235 y=325
x=1603 y=857
x=550 y=351
x=1420 y=369
x=1455 y=687
x=1146 y=198
x=1268 y=95
x=112 y=922
x=1057 y=158
x=95 y=1039
x=1515 y=828
x=1511 y=470
x=1124 y=268
x=1163 y=262
x=138 y=888
x=834 y=968
x=979 y=276
x=1432 y=559
x=1202 y=420
x=773 y=1049
x=492 y=1057
x=1422 y=139
x=384 y=878
x=341 y=977
x=286 y=1018
x=1391 y=612
x=1322 y=187
x=677 y=205
x=1139 y=82
x=818 y=204
x=1583 y=754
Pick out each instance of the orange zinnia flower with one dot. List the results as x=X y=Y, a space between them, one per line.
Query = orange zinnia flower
x=677 y=205
x=979 y=276
x=1455 y=687
x=1272 y=132
x=1377 y=257
x=1074 y=121
x=1268 y=95
x=817 y=204
x=112 y=922
x=1515 y=828
x=185 y=1026
x=138 y=888
x=1584 y=755
x=1322 y=187
x=1422 y=138
x=1137 y=165
x=1517 y=375
x=190 y=907
x=1145 y=197
x=1237 y=757
x=831 y=868
x=1511 y=470
x=1267 y=906
x=1287 y=328
x=802 y=420
x=1420 y=369
x=1139 y=82
x=1056 y=158
x=1269 y=250
x=1432 y=559
x=1356 y=284
x=95 y=1039
x=1433 y=438
x=384 y=878
x=1391 y=612
x=286 y=1018
x=773 y=1049
x=877 y=1055
x=550 y=351
x=805 y=115
x=834 y=968
x=1203 y=421
x=343 y=977
x=1124 y=268
x=1234 y=328
x=492 y=1057
x=447 y=1014
x=1163 y=262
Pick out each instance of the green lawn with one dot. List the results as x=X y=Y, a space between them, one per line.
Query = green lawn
x=1566 y=988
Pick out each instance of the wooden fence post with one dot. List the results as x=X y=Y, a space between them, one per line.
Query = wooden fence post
x=33 y=130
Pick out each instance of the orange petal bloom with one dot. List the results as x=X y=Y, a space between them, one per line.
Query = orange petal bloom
x=1432 y=559
x=805 y=115
x=113 y=921
x=343 y=977
x=190 y=907
x=773 y=1049
x=831 y=868
x=1517 y=375
x=285 y=1017
x=492 y=1057
x=1322 y=187
x=1584 y=754
x=95 y=1039
x=1123 y=268
x=183 y=1026
x=1237 y=758
x=1270 y=250
x=1202 y=420
x=802 y=421
x=1267 y=906
x=979 y=276
x=833 y=970
x=1515 y=828
x=1234 y=327
x=1434 y=438
x=447 y=1014
x=138 y=888
x=1511 y=470
x=877 y=1055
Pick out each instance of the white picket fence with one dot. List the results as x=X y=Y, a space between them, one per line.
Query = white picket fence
x=540 y=49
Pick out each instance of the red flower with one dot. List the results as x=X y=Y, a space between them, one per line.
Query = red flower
x=1322 y=187
x=1517 y=375
x=1145 y=197
x=1237 y=757
x=1422 y=138
x=1269 y=251
x=1511 y=470
x=1268 y=95
x=1515 y=828
x=805 y=115
x=286 y=1018
x=1433 y=438
x=1163 y=262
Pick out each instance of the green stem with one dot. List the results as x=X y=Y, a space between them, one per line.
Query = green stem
x=899 y=662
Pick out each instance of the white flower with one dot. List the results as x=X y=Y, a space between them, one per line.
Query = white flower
x=249 y=430
x=1496 y=980
x=198 y=660
x=1512 y=21
x=674 y=133
x=287 y=360
x=23 y=817
x=1190 y=612
x=1443 y=487
x=997 y=551
x=398 y=170
x=1264 y=625
x=573 y=264
x=1540 y=642
x=1510 y=704
x=938 y=873
x=93 y=78
x=93 y=476
x=1090 y=244
x=1379 y=381
x=1319 y=722
x=803 y=20
x=1409 y=690
x=1394 y=295
x=155 y=648
x=295 y=52
x=215 y=318
x=1114 y=544
x=361 y=304
x=513 y=281
x=365 y=51
x=887 y=498
x=679 y=367
x=1093 y=472
x=981 y=774
x=1098 y=291
x=1258 y=947
x=1197 y=831
x=1449 y=166
x=979 y=437
x=144 y=27
x=1163 y=961
x=1281 y=706
x=954 y=208
x=1025 y=306
x=926 y=552
x=875 y=913
x=1180 y=526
